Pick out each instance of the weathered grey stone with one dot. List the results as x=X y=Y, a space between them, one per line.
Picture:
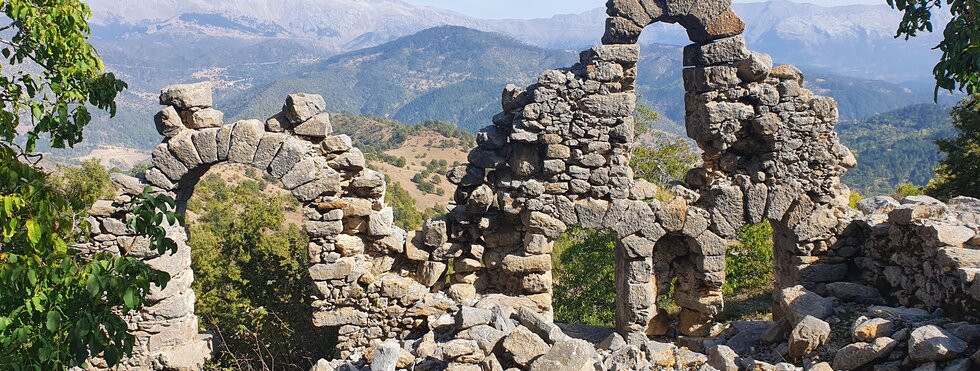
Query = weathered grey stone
x=469 y=317
x=932 y=343
x=798 y=302
x=877 y=205
x=567 y=354
x=336 y=144
x=292 y=151
x=754 y=68
x=267 y=149
x=301 y=107
x=169 y=165
x=723 y=51
x=339 y=270
x=809 y=335
x=723 y=358
x=853 y=292
x=853 y=356
x=386 y=356
x=186 y=95
x=206 y=143
x=430 y=272
x=304 y=172
x=245 y=139
x=278 y=123
x=168 y=122
x=202 y=118
x=524 y=345
x=636 y=247
x=317 y=126
x=182 y=147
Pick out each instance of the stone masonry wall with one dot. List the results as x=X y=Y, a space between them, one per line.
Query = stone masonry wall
x=920 y=252
x=558 y=156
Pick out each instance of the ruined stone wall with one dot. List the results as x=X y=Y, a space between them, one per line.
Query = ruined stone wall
x=473 y=288
x=166 y=328
x=920 y=252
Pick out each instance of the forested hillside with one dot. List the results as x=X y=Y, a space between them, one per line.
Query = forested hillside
x=895 y=147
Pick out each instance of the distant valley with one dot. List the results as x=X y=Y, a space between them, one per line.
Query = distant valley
x=383 y=58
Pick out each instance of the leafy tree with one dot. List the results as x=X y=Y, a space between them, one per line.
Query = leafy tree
x=585 y=269
x=250 y=277
x=661 y=159
x=959 y=174
x=749 y=268
x=407 y=214
x=906 y=189
x=959 y=66
x=57 y=310
x=84 y=185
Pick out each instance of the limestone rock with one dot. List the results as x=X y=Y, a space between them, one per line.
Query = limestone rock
x=471 y=317
x=798 y=302
x=168 y=122
x=524 y=345
x=853 y=356
x=809 y=335
x=868 y=329
x=317 y=126
x=187 y=95
x=722 y=358
x=202 y=118
x=568 y=354
x=386 y=356
x=932 y=343
x=301 y=107
x=877 y=205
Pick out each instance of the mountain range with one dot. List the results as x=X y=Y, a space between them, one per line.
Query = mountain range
x=413 y=63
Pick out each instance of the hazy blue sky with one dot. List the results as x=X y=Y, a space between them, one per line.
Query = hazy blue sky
x=547 y=8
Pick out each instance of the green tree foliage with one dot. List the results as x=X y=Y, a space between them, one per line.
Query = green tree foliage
x=250 y=276
x=51 y=36
x=584 y=273
x=407 y=214
x=749 y=267
x=84 y=185
x=906 y=189
x=959 y=174
x=959 y=66
x=664 y=160
x=56 y=309
x=659 y=158
x=896 y=146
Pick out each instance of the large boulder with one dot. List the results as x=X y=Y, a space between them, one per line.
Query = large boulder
x=932 y=343
x=853 y=356
x=809 y=334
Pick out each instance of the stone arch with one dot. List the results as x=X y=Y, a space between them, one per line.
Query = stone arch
x=770 y=150
x=353 y=242
x=558 y=153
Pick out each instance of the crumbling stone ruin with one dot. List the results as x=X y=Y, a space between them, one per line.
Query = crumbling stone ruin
x=473 y=290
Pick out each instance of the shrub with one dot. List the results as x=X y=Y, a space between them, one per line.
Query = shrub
x=250 y=277
x=584 y=274
x=749 y=266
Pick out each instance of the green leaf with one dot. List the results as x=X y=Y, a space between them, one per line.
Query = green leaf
x=4 y=323
x=130 y=299
x=54 y=321
x=33 y=231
